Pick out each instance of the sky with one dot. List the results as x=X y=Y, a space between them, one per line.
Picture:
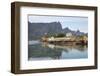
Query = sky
x=72 y=22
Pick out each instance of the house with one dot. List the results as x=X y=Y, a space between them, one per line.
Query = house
x=69 y=34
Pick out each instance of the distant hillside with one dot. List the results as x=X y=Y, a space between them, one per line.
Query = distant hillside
x=37 y=30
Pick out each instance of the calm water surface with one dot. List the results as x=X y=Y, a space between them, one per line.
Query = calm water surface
x=44 y=51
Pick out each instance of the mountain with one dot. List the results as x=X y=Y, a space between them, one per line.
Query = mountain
x=79 y=33
x=37 y=30
x=66 y=30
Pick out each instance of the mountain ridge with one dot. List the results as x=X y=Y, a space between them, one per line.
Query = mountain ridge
x=37 y=30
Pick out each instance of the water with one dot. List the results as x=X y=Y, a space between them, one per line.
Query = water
x=44 y=51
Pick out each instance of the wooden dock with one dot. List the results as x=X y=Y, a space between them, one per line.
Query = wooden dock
x=66 y=41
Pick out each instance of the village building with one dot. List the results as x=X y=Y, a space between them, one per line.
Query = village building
x=68 y=34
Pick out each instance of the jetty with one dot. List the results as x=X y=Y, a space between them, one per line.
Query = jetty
x=66 y=40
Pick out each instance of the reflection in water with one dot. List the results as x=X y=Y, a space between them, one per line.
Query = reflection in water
x=44 y=51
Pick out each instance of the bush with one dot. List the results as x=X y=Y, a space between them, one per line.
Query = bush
x=60 y=35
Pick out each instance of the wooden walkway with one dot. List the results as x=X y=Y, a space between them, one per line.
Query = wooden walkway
x=65 y=41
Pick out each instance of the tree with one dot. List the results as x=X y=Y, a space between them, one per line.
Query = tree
x=60 y=35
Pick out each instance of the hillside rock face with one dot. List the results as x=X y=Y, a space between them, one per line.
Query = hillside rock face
x=37 y=30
